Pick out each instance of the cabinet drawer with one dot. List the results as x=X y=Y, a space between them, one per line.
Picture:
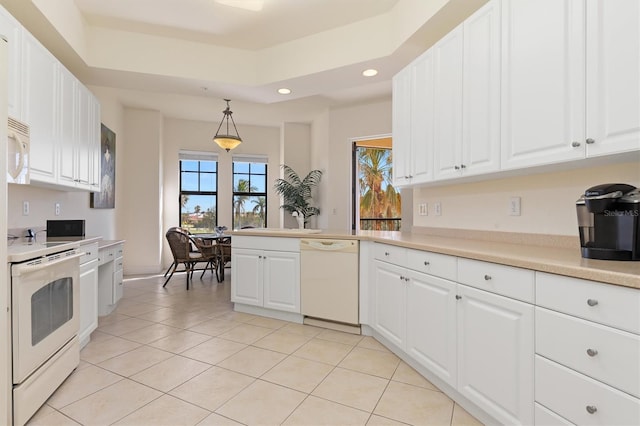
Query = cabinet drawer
x=508 y=281
x=118 y=264
x=105 y=256
x=90 y=253
x=580 y=399
x=391 y=254
x=603 y=303
x=266 y=243
x=440 y=265
x=545 y=417
x=119 y=250
x=604 y=353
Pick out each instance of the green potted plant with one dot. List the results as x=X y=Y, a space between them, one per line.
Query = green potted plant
x=296 y=193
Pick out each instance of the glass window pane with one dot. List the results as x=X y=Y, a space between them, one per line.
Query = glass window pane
x=249 y=211
x=189 y=181
x=208 y=182
x=259 y=168
x=198 y=213
x=240 y=183
x=189 y=165
x=208 y=166
x=239 y=167
x=259 y=184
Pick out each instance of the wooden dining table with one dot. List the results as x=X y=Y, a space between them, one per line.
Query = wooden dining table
x=211 y=238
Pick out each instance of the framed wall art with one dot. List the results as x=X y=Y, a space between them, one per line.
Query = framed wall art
x=106 y=198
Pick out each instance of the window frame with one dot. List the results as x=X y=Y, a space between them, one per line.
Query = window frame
x=235 y=193
x=181 y=192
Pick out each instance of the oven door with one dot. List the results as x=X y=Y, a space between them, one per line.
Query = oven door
x=45 y=303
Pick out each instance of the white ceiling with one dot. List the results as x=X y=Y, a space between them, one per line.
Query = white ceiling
x=318 y=48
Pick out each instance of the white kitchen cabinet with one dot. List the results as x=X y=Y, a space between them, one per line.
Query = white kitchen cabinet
x=88 y=293
x=95 y=148
x=110 y=277
x=432 y=324
x=613 y=85
x=40 y=81
x=413 y=122
x=550 y=85
x=84 y=142
x=68 y=125
x=11 y=29
x=266 y=278
x=481 y=91
x=447 y=151
x=496 y=354
x=478 y=342
x=389 y=317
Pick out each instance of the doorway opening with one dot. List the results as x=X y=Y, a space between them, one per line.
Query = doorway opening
x=376 y=203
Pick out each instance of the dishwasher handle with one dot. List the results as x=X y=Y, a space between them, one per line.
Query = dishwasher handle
x=329 y=245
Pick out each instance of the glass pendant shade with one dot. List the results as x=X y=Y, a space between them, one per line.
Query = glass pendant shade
x=227 y=141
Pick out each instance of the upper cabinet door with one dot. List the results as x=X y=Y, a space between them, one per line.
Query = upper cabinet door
x=12 y=30
x=401 y=127
x=40 y=105
x=448 y=105
x=543 y=80
x=481 y=91
x=613 y=76
x=421 y=160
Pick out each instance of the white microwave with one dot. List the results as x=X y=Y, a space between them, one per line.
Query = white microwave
x=17 y=152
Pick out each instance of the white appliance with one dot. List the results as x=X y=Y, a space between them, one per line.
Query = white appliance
x=45 y=284
x=17 y=151
x=329 y=280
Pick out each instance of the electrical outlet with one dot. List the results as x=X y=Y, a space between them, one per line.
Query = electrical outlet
x=25 y=208
x=514 y=206
x=422 y=209
x=57 y=209
x=438 y=208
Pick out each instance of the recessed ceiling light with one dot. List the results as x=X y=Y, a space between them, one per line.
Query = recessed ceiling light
x=370 y=72
x=284 y=91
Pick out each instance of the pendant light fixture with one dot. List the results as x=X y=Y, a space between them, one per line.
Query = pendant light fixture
x=227 y=141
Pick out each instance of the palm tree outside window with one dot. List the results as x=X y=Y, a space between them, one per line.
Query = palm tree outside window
x=377 y=203
x=249 y=193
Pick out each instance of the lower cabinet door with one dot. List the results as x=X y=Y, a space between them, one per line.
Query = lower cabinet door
x=390 y=296
x=496 y=354
x=281 y=281
x=431 y=324
x=88 y=300
x=246 y=276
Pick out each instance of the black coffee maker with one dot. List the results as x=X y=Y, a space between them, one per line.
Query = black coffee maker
x=609 y=222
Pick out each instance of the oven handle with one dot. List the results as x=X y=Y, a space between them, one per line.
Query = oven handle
x=26 y=268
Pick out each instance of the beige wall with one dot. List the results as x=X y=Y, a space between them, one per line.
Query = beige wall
x=346 y=124
x=547 y=200
x=295 y=152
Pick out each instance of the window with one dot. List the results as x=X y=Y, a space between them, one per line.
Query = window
x=249 y=192
x=377 y=202
x=198 y=192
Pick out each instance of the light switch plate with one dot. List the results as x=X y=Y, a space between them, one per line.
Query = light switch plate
x=514 y=206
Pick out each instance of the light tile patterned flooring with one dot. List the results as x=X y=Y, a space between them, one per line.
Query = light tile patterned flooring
x=176 y=357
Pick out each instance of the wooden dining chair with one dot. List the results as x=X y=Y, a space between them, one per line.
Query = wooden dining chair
x=181 y=245
x=223 y=246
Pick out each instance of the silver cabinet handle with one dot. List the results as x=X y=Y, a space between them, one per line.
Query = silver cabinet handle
x=487 y=277
x=589 y=141
x=592 y=302
x=458 y=297
x=426 y=263
x=575 y=144
x=592 y=352
x=591 y=409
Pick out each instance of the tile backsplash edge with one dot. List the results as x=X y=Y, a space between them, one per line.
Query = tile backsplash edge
x=543 y=240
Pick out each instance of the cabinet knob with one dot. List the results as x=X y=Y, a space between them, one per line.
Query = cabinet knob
x=462 y=166
x=575 y=144
x=589 y=141
x=456 y=167
x=592 y=302
x=386 y=253
x=592 y=352
x=591 y=409
x=487 y=277
x=401 y=278
x=406 y=279
x=458 y=297
x=426 y=263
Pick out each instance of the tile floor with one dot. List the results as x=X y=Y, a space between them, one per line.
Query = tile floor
x=176 y=357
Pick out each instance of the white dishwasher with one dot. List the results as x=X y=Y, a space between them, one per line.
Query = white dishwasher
x=329 y=280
